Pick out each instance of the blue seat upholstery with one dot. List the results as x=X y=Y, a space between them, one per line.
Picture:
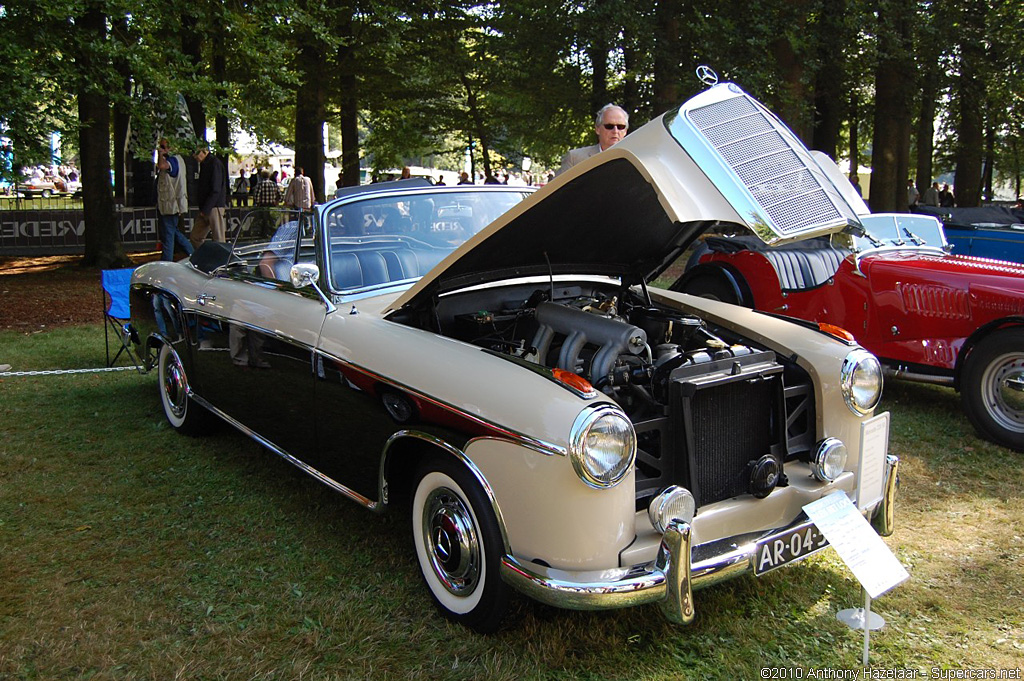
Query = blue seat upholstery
x=359 y=266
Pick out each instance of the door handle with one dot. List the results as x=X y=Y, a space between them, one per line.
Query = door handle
x=205 y=298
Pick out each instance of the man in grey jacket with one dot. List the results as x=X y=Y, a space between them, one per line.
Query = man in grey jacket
x=610 y=124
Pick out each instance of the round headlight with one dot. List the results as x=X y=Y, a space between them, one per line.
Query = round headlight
x=861 y=380
x=829 y=460
x=602 y=446
x=674 y=502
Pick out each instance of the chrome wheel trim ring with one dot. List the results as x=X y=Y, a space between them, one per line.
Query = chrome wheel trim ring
x=1002 y=387
x=451 y=542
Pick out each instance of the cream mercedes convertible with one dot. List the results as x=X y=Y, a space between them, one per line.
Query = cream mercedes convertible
x=499 y=362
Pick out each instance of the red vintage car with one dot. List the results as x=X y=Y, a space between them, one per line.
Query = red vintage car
x=928 y=315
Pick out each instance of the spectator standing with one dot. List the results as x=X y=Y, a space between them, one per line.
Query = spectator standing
x=299 y=194
x=931 y=195
x=855 y=181
x=267 y=194
x=913 y=196
x=946 y=198
x=212 y=190
x=241 y=189
x=464 y=178
x=171 y=200
x=254 y=179
x=611 y=124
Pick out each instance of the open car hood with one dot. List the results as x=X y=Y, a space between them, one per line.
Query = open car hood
x=629 y=211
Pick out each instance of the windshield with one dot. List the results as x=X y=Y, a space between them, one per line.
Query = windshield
x=899 y=230
x=401 y=236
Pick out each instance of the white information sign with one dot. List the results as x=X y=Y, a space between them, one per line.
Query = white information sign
x=872 y=563
x=874 y=445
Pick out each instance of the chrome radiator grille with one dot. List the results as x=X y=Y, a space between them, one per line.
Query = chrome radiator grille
x=770 y=162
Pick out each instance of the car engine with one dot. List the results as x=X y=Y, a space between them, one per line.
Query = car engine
x=712 y=411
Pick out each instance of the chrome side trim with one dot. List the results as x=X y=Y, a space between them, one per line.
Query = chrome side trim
x=330 y=482
x=458 y=454
x=535 y=444
x=673 y=576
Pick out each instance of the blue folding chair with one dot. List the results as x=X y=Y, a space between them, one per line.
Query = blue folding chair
x=116 y=285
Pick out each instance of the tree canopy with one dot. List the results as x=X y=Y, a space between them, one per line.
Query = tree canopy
x=910 y=88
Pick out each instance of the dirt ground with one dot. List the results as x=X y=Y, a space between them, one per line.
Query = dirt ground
x=43 y=292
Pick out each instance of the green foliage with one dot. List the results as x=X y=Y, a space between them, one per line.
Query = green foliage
x=424 y=78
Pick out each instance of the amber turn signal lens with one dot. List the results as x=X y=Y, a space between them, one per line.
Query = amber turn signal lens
x=574 y=381
x=837 y=331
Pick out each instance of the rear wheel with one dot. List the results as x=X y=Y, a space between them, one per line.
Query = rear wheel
x=992 y=390
x=458 y=545
x=182 y=412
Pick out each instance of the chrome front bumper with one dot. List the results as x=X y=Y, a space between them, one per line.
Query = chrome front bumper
x=674 y=575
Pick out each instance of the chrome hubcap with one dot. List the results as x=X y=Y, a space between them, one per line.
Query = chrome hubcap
x=175 y=386
x=1003 y=384
x=451 y=542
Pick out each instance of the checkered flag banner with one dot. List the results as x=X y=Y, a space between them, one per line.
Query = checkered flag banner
x=145 y=131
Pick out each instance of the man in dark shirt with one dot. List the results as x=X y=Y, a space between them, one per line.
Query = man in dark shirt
x=212 y=198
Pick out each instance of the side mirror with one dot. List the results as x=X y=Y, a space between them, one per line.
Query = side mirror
x=304 y=274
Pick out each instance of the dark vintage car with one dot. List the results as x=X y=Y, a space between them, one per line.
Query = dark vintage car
x=994 y=232
x=927 y=314
x=495 y=363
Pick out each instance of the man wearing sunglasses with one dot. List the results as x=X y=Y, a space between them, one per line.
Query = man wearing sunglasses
x=611 y=124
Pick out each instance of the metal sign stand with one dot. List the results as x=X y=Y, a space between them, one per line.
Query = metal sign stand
x=862 y=618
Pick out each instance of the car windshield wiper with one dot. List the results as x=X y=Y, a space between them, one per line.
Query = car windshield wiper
x=918 y=241
x=877 y=243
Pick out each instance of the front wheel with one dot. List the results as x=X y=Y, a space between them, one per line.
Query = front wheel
x=458 y=545
x=993 y=388
x=182 y=412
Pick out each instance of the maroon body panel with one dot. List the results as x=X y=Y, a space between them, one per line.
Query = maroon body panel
x=906 y=306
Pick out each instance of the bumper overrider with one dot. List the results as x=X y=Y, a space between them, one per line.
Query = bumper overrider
x=678 y=570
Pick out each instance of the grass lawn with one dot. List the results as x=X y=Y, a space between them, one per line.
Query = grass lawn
x=130 y=552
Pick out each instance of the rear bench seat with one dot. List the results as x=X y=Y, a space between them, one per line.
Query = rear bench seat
x=359 y=266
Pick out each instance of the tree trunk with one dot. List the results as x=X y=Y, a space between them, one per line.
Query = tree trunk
x=348 y=118
x=103 y=246
x=990 y=161
x=830 y=81
x=791 y=104
x=310 y=114
x=667 y=59
x=890 y=142
x=969 y=102
x=853 y=120
x=597 y=52
x=222 y=127
x=121 y=117
x=192 y=48
x=926 y=128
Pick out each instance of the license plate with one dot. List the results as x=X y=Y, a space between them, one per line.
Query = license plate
x=786 y=547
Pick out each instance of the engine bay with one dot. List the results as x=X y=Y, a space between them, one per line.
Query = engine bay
x=712 y=410
x=623 y=345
